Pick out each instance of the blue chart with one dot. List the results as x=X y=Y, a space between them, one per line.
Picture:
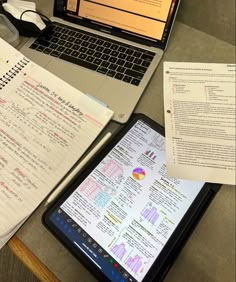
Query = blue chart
x=150 y=214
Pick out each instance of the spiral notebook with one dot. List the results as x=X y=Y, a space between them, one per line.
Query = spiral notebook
x=46 y=125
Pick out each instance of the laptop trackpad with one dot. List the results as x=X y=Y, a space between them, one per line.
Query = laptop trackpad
x=85 y=80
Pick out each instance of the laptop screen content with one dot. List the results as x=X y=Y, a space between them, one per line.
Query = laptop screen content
x=144 y=18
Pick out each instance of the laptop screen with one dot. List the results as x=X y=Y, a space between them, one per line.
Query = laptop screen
x=148 y=19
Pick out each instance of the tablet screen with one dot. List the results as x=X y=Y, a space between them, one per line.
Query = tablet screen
x=125 y=210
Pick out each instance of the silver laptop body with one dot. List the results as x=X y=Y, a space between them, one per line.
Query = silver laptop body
x=118 y=95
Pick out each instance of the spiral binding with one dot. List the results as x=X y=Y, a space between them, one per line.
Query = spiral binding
x=10 y=74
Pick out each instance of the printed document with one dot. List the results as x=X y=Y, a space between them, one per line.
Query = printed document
x=199 y=102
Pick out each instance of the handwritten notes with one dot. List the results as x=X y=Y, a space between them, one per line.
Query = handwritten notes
x=45 y=127
x=200 y=121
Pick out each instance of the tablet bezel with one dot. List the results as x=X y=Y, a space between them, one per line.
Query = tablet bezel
x=176 y=241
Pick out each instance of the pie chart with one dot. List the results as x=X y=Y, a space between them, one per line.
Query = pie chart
x=138 y=173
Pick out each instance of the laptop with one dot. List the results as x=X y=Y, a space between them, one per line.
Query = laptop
x=107 y=49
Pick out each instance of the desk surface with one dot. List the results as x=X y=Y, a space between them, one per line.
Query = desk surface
x=210 y=253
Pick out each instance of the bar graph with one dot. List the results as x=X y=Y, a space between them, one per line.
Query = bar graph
x=134 y=263
x=119 y=250
x=150 y=154
x=150 y=214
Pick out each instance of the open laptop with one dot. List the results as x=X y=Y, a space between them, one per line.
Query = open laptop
x=105 y=48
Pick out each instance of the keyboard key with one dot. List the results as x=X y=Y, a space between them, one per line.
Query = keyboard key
x=111 y=73
x=92 y=39
x=85 y=43
x=78 y=41
x=97 y=61
x=64 y=37
x=121 y=56
x=42 y=42
x=107 y=44
x=69 y=44
x=64 y=31
x=67 y=51
x=135 y=81
x=47 y=51
x=89 y=59
x=105 y=57
x=145 y=63
x=114 y=47
x=122 y=49
x=34 y=46
x=137 y=54
x=128 y=65
x=71 y=39
x=127 y=78
x=107 y=51
x=120 y=62
x=78 y=35
x=134 y=74
x=54 y=40
x=90 y=52
x=40 y=48
x=58 y=28
x=119 y=76
x=85 y=37
x=130 y=58
x=55 y=53
x=102 y=70
x=120 y=69
x=71 y=32
x=61 y=42
x=105 y=64
x=75 y=53
x=139 y=68
x=113 y=67
x=57 y=34
x=82 y=56
x=147 y=57
x=78 y=61
x=61 y=48
x=54 y=46
x=114 y=53
x=99 y=48
x=97 y=54
x=112 y=59
x=92 y=46
x=129 y=51
x=83 y=49
x=75 y=47
x=99 y=42
x=138 y=61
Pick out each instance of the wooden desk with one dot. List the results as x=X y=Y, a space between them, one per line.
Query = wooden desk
x=210 y=253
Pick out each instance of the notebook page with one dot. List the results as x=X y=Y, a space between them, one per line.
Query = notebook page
x=45 y=127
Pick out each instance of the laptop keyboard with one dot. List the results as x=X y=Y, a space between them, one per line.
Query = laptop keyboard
x=106 y=56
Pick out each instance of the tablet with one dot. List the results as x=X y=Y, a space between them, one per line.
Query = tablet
x=122 y=216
